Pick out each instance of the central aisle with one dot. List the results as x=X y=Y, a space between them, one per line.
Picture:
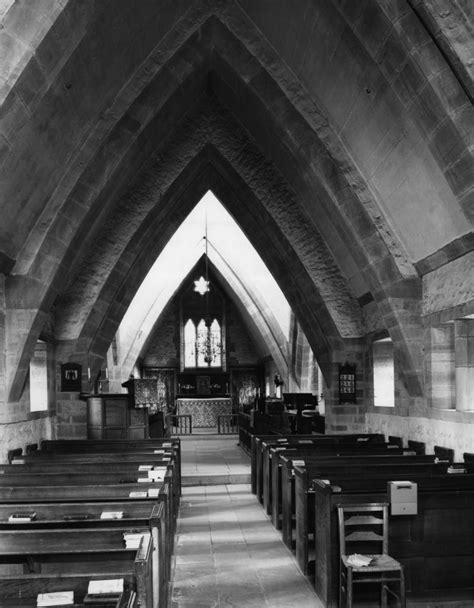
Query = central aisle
x=227 y=552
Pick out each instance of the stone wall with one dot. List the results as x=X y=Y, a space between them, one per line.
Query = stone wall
x=163 y=349
x=71 y=417
x=19 y=434
x=449 y=429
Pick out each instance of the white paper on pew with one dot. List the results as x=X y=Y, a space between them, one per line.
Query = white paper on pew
x=111 y=515
x=108 y=586
x=145 y=467
x=158 y=451
x=299 y=463
x=22 y=517
x=358 y=560
x=55 y=598
x=143 y=480
x=132 y=540
x=167 y=444
x=156 y=475
x=153 y=492
x=456 y=470
x=138 y=494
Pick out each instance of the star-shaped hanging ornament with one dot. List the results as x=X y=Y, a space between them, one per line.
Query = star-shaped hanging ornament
x=201 y=286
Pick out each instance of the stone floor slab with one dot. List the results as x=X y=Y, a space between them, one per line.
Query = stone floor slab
x=228 y=555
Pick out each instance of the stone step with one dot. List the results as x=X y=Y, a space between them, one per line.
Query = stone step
x=215 y=480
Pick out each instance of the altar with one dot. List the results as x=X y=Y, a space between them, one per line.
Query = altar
x=204 y=411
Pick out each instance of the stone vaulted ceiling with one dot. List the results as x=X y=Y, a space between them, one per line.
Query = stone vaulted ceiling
x=337 y=134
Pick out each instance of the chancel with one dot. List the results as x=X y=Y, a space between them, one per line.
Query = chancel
x=236 y=279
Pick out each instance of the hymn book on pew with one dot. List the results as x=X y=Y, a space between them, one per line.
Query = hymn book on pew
x=111 y=515
x=22 y=517
x=104 y=593
x=132 y=539
x=55 y=598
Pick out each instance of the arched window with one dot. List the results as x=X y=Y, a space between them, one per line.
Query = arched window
x=202 y=344
x=384 y=383
x=39 y=378
x=189 y=344
x=216 y=343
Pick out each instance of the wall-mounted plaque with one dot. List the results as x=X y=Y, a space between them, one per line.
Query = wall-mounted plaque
x=71 y=377
x=347 y=383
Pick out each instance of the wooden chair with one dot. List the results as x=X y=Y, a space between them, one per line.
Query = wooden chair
x=363 y=529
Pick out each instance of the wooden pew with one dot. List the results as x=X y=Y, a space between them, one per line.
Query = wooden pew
x=96 y=475
x=418 y=446
x=93 y=552
x=91 y=446
x=56 y=471
x=125 y=492
x=109 y=445
x=444 y=453
x=74 y=477
x=304 y=496
x=435 y=545
x=76 y=445
x=105 y=460
x=21 y=591
x=398 y=441
x=283 y=489
x=15 y=453
x=145 y=514
x=104 y=466
x=328 y=448
x=259 y=443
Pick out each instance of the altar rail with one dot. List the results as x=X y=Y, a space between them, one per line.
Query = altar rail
x=227 y=424
x=179 y=424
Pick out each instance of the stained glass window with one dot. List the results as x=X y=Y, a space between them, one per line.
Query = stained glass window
x=202 y=344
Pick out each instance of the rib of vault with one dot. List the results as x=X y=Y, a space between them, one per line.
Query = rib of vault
x=144 y=205
x=250 y=288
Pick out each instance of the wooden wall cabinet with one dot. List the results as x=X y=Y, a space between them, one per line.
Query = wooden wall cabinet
x=112 y=416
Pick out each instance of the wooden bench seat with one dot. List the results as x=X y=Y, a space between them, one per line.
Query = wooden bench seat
x=65 y=516
x=89 y=446
x=92 y=552
x=262 y=442
x=21 y=591
x=68 y=487
x=74 y=477
x=283 y=491
x=95 y=450
x=329 y=450
x=103 y=461
x=97 y=474
x=68 y=445
x=304 y=496
x=435 y=545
